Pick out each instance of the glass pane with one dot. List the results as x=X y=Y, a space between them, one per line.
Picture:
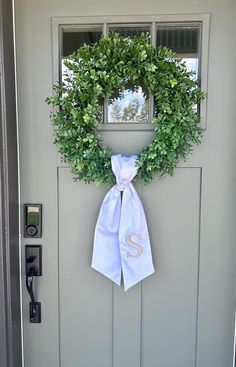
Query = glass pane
x=184 y=41
x=130 y=31
x=129 y=106
x=72 y=40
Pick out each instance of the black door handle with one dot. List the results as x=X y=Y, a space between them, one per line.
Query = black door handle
x=29 y=285
x=33 y=260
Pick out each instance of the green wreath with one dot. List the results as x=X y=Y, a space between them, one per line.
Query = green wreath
x=115 y=63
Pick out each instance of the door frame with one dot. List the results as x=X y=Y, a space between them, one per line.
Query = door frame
x=10 y=311
x=10 y=305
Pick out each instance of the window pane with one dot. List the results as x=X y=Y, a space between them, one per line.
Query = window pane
x=72 y=40
x=130 y=105
x=184 y=41
x=126 y=31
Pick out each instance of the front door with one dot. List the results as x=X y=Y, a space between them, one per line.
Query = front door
x=183 y=314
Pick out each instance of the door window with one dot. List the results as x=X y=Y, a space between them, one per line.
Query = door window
x=134 y=104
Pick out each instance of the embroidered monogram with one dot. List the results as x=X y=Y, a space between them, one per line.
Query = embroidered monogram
x=130 y=242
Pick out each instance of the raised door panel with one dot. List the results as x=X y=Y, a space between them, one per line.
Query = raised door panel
x=100 y=324
x=169 y=297
x=85 y=297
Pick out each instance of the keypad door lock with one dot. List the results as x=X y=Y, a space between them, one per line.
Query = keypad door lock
x=33 y=220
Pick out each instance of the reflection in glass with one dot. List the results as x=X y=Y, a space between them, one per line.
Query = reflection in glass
x=132 y=31
x=191 y=65
x=184 y=41
x=130 y=106
x=72 y=40
x=64 y=71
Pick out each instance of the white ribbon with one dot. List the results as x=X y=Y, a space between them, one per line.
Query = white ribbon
x=121 y=242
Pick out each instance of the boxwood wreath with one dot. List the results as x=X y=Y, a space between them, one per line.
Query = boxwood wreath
x=115 y=63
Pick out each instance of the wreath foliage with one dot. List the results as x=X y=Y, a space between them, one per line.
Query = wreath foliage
x=94 y=72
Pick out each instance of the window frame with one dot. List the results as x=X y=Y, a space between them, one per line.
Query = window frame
x=59 y=24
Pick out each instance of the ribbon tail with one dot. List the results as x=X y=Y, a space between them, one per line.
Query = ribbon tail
x=106 y=252
x=134 y=240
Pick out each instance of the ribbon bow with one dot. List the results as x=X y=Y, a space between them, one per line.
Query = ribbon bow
x=121 y=241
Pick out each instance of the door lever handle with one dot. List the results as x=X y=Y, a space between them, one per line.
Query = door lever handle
x=33 y=262
x=29 y=285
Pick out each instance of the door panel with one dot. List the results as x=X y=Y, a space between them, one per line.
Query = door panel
x=127 y=324
x=107 y=319
x=85 y=298
x=99 y=322
x=169 y=302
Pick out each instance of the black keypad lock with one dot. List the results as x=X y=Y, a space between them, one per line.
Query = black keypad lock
x=33 y=220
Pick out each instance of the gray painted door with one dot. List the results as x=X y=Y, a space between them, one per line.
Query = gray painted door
x=183 y=314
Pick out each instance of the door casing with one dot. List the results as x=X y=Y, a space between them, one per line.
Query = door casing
x=10 y=312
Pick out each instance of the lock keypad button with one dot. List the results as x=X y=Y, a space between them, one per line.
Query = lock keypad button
x=31 y=230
